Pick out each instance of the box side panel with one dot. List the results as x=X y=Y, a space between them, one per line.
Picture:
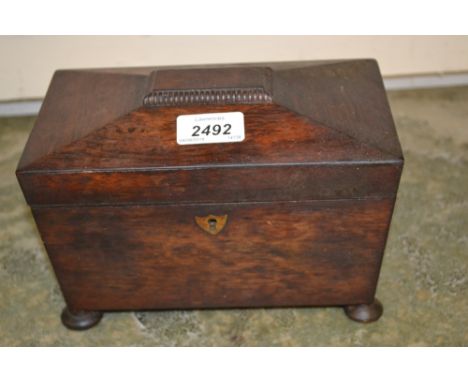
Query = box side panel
x=158 y=257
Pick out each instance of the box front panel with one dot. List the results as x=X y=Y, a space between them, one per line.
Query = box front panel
x=218 y=255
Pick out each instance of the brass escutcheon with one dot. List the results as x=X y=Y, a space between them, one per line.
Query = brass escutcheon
x=212 y=224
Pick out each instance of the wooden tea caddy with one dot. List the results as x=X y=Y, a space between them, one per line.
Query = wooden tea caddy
x=296 y=214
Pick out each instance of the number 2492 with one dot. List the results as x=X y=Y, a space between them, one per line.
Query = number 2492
x=212 y=130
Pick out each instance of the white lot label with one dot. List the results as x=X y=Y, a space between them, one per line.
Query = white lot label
x=196 y=129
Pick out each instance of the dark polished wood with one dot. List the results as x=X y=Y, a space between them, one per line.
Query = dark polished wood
x=80 y=320
x=77 y=103
x=220 y=185
x=300 y=210
x=365 y=313
x=267 y=254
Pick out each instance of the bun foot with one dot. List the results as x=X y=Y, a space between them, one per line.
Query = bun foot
x=364 y=313
x=80 y=320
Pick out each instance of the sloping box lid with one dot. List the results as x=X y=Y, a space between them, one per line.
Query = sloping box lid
x=313 y=130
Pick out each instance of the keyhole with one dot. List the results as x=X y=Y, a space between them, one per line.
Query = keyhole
x=212 y=223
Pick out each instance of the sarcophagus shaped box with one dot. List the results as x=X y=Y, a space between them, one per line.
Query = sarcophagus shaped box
x=255 y=185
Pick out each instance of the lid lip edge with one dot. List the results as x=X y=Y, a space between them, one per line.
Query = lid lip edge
x=199 y=203
x=384 y=162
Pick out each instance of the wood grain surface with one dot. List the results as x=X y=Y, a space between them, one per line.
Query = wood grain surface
x=213 y=185
x=157 y=257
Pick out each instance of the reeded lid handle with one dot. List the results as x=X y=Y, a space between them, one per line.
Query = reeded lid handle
x=209 y=86
x=206 y=97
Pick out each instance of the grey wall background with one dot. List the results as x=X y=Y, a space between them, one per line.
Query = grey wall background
x=28 y=62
